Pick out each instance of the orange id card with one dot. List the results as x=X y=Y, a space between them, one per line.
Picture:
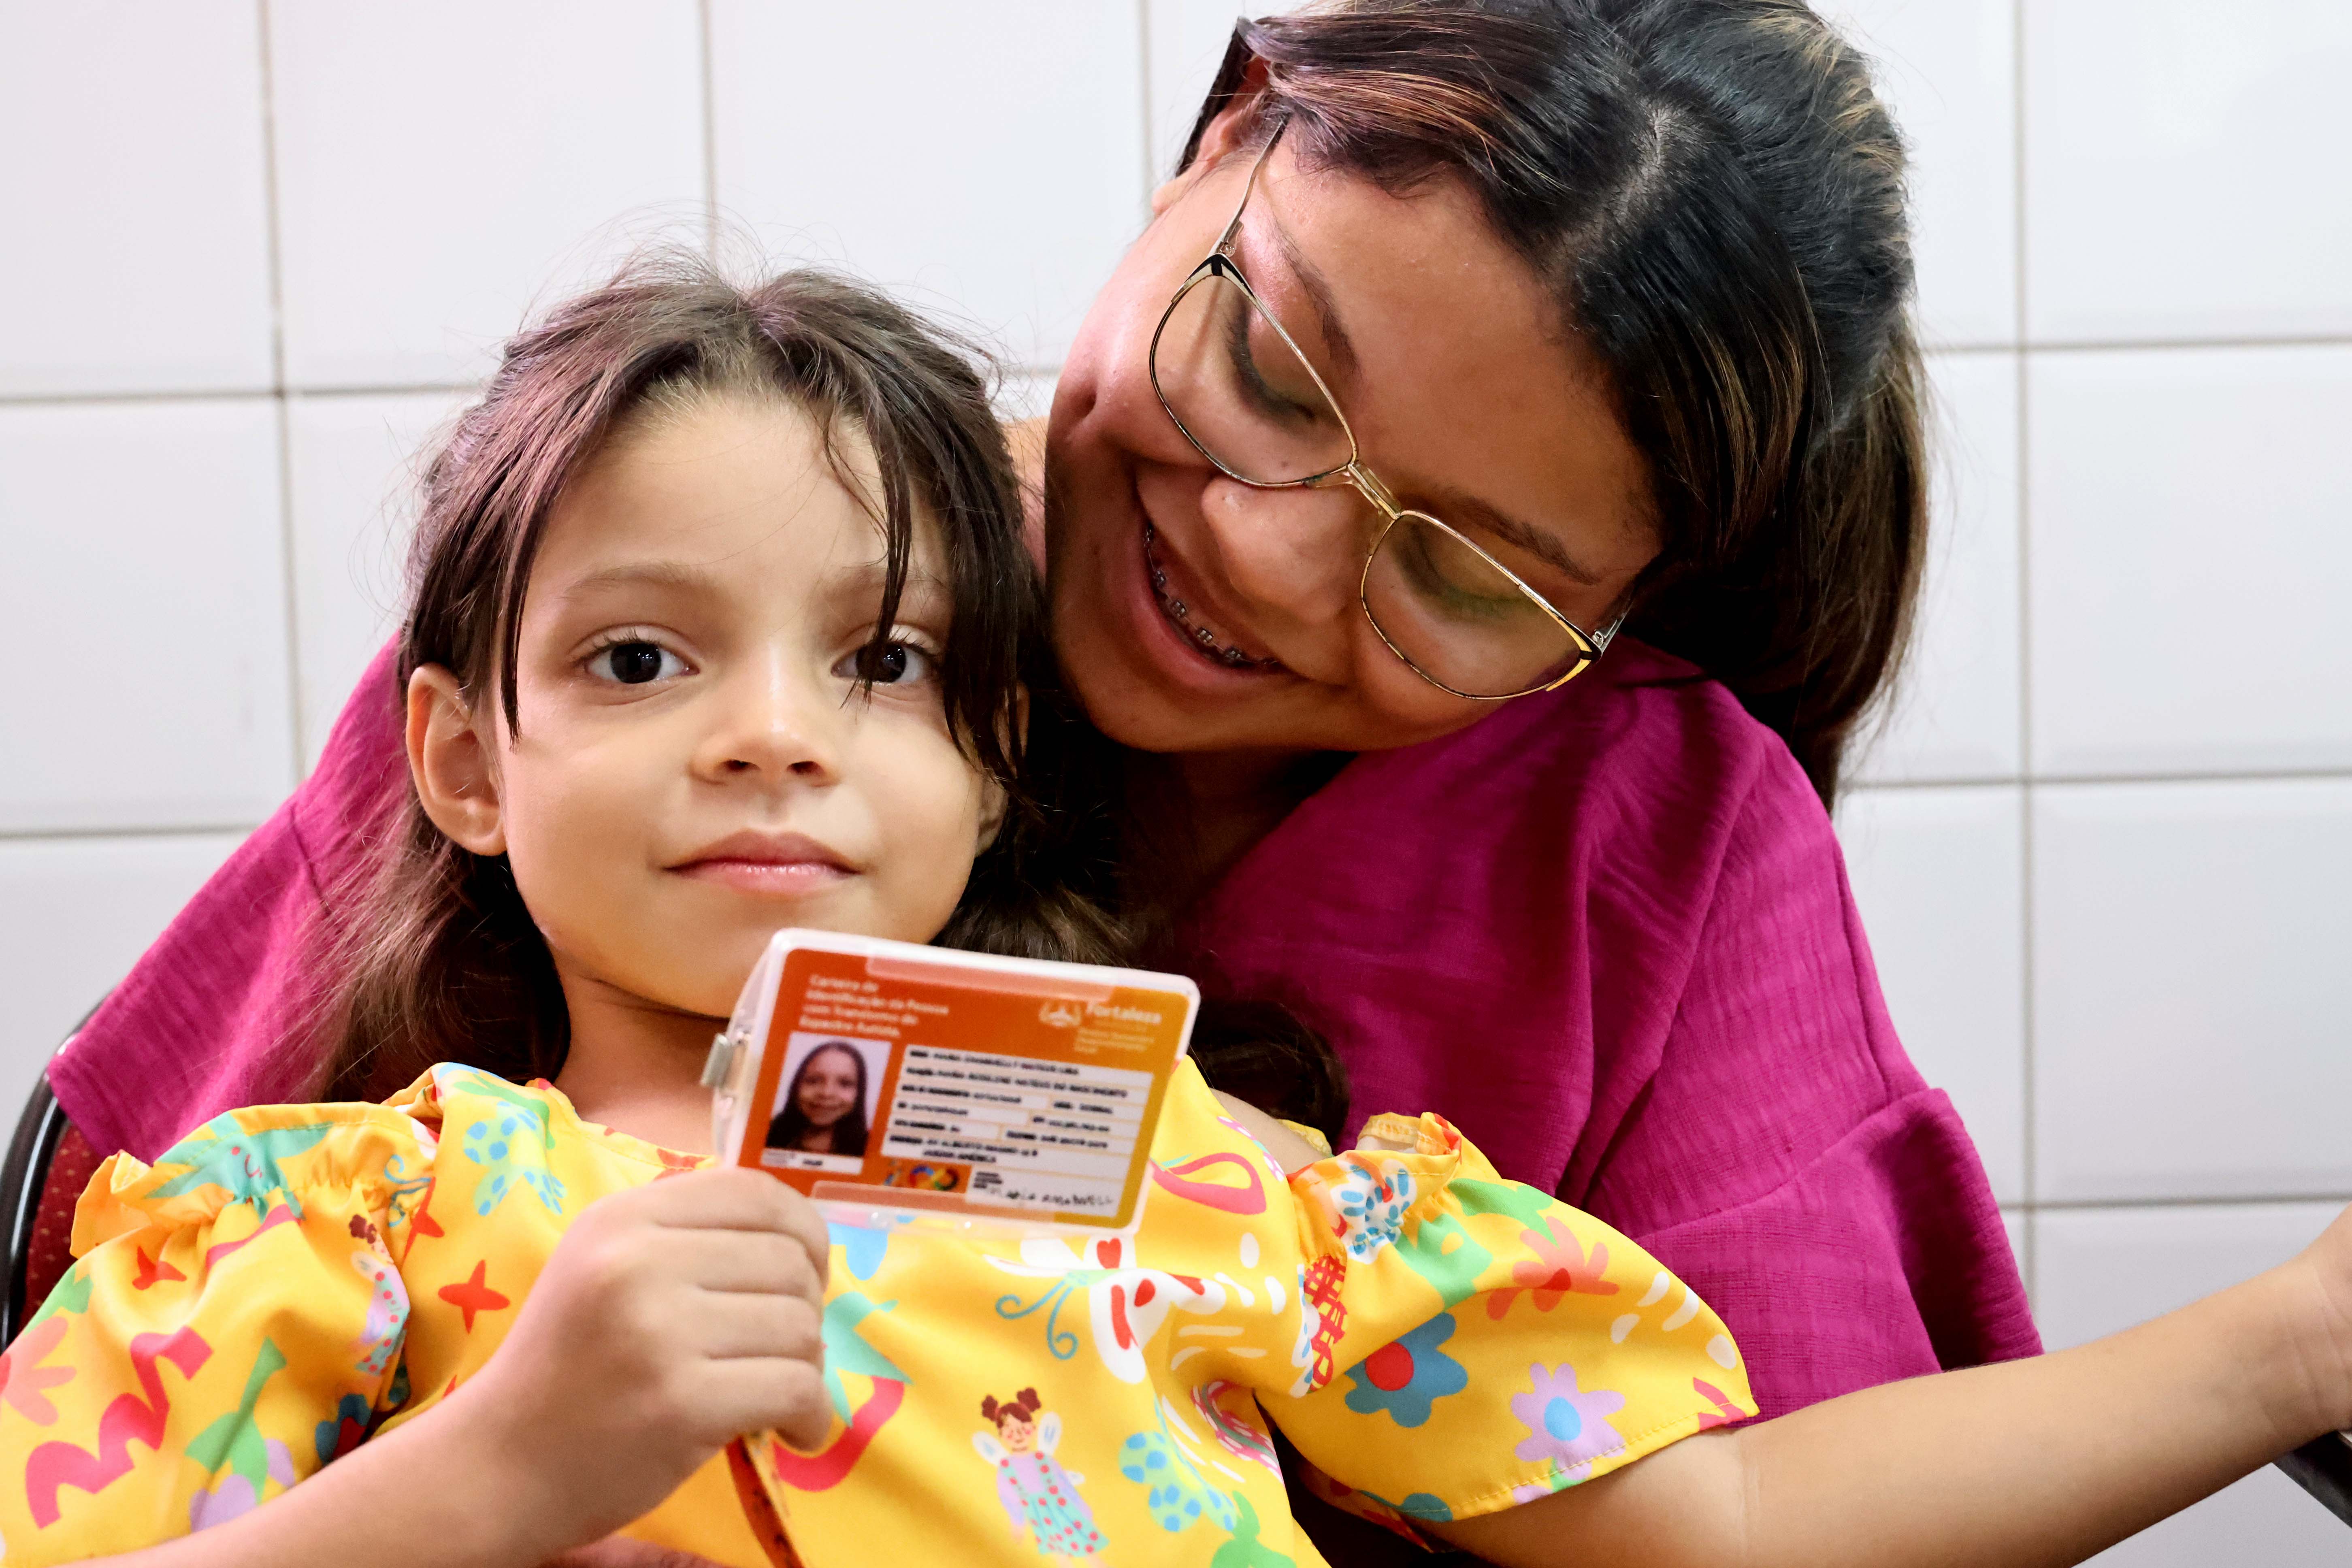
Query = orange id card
x=891 y=1081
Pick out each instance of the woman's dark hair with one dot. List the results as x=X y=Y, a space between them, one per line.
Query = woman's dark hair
x=432 y=956
x=792 y=1124
x=1716 y=196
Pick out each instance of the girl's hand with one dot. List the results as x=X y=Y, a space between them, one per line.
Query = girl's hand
x=670 y=1319
x=620 y=1551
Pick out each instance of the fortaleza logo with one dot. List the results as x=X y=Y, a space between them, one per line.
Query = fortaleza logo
x=1060 y=1014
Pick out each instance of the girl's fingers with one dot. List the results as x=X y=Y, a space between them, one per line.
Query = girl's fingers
x=761 y=1262
x=744 y=1326
x=734 y=1199
x=760 y=1394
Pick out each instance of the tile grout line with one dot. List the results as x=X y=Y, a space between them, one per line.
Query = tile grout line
x=2103 y=781
x=2029 y=1103
x=296 y=721
x=1144 y=97
x=101 y=835
x=709 y=135
x=2198 y=1201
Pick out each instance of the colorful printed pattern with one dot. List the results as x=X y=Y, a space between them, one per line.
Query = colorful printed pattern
x=291 y=1279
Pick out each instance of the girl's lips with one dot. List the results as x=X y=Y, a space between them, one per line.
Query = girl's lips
x=771 y=878
x=785 y=865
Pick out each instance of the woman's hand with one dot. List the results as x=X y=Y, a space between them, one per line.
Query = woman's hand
x=2018 y=1464
x=670 y=1319
x=2327 y=1263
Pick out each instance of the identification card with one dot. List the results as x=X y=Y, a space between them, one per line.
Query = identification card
x=894 y=1083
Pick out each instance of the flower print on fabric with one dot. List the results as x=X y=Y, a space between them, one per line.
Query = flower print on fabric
x=1126 y=1304
x=1041 y=1499
x=1560 y=1267
x=1565 y=1427
x=1408 y=1375
x=511 y=1142
x=1372 y=1203
x=1322 y=1319
x=341 y=1433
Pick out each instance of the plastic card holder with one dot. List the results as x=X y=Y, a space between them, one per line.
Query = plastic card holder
x=902 y=1084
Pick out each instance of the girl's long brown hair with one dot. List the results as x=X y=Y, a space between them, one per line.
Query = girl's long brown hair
x=434 y=958
x=1715 y=194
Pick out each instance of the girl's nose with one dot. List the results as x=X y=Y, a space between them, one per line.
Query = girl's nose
x=773 y=727
x=1296 y=552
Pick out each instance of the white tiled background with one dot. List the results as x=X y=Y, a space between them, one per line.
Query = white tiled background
x=259 y=248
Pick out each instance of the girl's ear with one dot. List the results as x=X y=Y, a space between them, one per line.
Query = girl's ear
x=993 y=801
x=453 y=763
x=1220 y=136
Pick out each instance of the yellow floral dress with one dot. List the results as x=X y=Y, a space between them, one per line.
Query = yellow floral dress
x=1437 y=1343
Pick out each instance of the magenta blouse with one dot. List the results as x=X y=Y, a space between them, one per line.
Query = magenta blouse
x=1606 y=931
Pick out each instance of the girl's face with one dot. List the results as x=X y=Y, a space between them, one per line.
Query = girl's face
x=828 y=1087
x=694 y=766
x=1017 y=1435
x=1467 y=394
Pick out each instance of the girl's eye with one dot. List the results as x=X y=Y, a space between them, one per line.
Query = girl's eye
x=635 y=663
x=892 y=663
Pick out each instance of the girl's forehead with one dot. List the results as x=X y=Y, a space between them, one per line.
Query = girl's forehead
x=729 y=494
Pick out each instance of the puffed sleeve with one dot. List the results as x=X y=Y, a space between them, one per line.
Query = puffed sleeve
x=234 y=1322
x=1514 y=1345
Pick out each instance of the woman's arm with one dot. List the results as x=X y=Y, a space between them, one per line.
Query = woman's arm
x=2027 y=1463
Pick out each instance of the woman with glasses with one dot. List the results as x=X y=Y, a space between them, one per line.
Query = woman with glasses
x=1484 y=498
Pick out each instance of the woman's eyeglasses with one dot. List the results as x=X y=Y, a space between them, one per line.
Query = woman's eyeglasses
x=1238 y=387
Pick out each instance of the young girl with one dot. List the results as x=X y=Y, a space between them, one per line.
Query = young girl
x=722 y=623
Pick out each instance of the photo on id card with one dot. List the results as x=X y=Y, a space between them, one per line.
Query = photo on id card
x=894 y=1082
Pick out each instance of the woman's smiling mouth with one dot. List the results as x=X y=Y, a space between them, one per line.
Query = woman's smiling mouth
x=1183 y=616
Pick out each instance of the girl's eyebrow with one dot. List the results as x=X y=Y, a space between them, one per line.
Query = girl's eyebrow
x=703 y=578
x=643 y=573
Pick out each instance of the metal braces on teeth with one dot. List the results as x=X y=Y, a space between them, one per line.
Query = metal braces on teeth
x=1177 y=611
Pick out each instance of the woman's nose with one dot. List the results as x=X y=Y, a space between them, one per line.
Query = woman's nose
x=1297 y=551
x=773 y=727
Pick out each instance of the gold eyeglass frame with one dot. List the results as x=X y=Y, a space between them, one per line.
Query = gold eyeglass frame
x=1220 y=264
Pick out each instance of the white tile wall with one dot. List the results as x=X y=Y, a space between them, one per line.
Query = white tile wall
x=74 y=915
x=146 y=572
x=2184 y=172
x=2191 y=999
x=2101 y=844
x=1940 y=875
x=442 y=164
x=934 y=176
x=2099 y=1270
x=163 y=284
x=1956 y=713
x=353 y=464
x=2191 y=521
x=1187 y=40
x=1949 y=70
